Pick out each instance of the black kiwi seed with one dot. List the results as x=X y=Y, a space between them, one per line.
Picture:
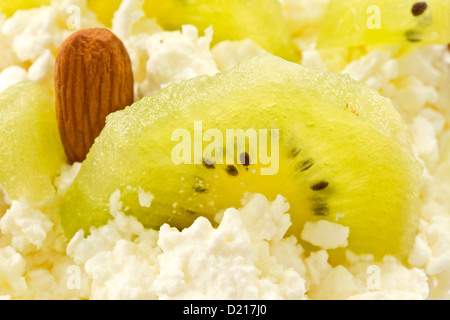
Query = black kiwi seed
x=208 y=164
x=320 y=208
x=305 y=165
x=319 y=185
x=245 y=159
x=294 y=152
x=413 y=35
x=199 y=185
x=190 y=212
x=232 y=171
x=200 y=189
x=418 y=8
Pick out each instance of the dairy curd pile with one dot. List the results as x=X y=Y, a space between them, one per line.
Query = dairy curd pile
x=248 y=256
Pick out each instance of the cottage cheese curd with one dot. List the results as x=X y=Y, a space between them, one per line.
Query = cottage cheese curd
x=248 y=255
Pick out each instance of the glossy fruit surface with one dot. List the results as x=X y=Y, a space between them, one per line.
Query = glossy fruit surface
x=31 y=153
x=358 y=22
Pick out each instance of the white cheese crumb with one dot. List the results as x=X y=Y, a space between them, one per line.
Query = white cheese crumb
x=370 y=69
x=12 y=75
x=229 y=262
x=12 y=268
x=425 y=140
x=174 y=56
x=325 y=234
x=145 y=198
x=66 y=178
x=263 y=219
x=129 y=12
x=228 y=54
x=115 y=205
x=420 y=253
x=27 y=226
x=43 y=66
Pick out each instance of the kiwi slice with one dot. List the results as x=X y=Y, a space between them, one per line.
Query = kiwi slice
x=335 y=148
x=365 y=22
x=31 y=152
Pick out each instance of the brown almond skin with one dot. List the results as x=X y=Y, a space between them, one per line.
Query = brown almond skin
x=93 y=77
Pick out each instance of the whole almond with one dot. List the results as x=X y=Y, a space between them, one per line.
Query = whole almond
x=93 y=77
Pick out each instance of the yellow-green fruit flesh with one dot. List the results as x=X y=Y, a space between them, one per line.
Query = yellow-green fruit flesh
x=359 y=22
x=9 y=7
x=104 y=9
x=333 y=132
x=31 y=154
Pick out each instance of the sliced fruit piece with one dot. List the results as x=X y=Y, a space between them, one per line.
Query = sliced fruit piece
x=343 y=155
x=10 y=7
x=358 y=22
x=31 y=153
